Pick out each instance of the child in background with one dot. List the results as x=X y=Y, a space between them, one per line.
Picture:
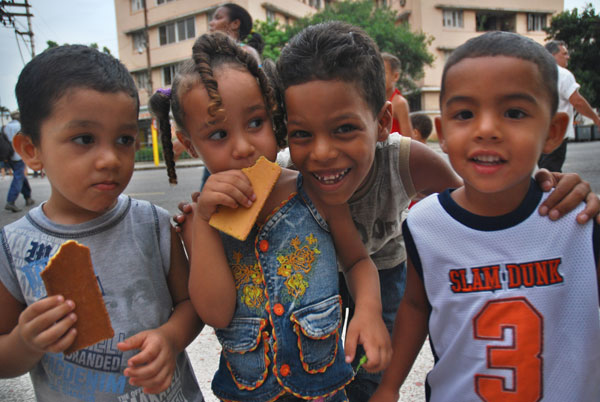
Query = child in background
x=272 y=298
x=79 y=110
x=338 y=134
x=422 y=126
x=510 y=299
x=400 y=109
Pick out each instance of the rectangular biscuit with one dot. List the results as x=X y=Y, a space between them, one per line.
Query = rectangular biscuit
x=70 y=273
x=237 y=222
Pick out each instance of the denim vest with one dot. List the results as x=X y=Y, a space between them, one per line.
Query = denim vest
x=285 y=333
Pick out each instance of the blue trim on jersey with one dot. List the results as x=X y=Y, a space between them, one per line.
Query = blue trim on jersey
x=492 y=223
x=411 y=249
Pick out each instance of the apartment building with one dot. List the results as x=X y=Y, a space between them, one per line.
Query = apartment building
x=172 y=27
x=452 y=22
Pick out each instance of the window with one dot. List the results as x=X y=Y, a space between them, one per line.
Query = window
x=270 y=15
x=137 y=5
x=536 y=21
x=177 y=31
x=141 y=80
x=139 y=41
x=491 y=21
x=453 y=18
x=159 y=2
x=168 y=73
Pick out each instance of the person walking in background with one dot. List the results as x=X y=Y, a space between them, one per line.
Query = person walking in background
x=236 y=22
x=400 y=109
x=569 y=98
x=19 y=183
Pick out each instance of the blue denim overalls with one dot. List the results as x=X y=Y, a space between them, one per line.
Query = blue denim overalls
x=285 y=334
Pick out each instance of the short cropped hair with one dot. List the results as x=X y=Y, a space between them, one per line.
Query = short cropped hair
x=392 y=60
x=509 y=44
x=553 y=46
x=335 y=51
x=49 y=75
x=423 y=123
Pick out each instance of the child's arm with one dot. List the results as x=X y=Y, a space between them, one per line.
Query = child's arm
x=401 y=112
x=212 y=287
x=430 y=173
x=26 y=334
x=367 y=326
x=410 y=331
x=152 y=368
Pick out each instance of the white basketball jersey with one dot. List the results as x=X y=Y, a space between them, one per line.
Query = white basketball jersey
x=514 y=302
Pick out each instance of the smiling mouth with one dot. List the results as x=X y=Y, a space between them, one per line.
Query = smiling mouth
x=489 y=160
x=331 y=178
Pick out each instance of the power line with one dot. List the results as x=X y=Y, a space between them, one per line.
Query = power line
x=9 y=11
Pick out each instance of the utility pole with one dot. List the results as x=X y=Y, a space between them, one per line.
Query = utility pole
x=147 y=38
x=8 y=18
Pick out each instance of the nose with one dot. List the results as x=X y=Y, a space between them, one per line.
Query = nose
x=107 y=158
x=323 y=150
x=487 y=128
x=242 y=148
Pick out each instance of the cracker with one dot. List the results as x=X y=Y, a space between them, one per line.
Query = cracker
x=70 y=273
x=237 y=222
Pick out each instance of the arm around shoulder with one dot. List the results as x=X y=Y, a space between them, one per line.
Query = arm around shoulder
x=430 y=173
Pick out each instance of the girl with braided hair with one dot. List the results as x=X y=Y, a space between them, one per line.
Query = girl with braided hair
x=272 y=298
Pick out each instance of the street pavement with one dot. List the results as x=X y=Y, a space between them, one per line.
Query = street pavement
x=152 y=184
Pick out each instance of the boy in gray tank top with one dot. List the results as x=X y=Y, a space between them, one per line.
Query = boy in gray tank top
x=79 y=111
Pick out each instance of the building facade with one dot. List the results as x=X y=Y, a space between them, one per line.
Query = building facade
x=452 y=22
x=172 y=26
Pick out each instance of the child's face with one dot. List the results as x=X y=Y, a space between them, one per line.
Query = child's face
x=332 y=135
x=496 y=120
x=237 y=137
x=87 y=148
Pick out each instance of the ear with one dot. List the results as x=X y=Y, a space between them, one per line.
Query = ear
x=187 y=143
x=31 y=154
x=384 y=121
x=235 y=25
x=556 y=132
x=440 y=134
x=396 y=77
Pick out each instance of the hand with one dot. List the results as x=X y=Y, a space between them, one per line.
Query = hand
x=152 y=368
x=47 y=325
x=570 y=191
x=230 y=188
x=186 y=209
x=370 y=331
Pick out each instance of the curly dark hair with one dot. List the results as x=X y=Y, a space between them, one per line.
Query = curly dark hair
x=211 y=51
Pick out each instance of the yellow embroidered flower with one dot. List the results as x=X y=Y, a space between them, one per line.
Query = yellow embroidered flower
x=252 y=296
x=296 y=285
x=311 y=239
x=296 y=262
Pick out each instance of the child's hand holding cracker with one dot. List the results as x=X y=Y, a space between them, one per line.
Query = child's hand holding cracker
x=47 y=325
x=230 y=188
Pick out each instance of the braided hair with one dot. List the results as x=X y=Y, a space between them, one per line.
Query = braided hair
x=211 y=51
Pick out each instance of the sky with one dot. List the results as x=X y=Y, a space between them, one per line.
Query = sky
x=76 y=21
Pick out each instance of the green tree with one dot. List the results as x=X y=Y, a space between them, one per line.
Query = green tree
x=580 y=30
x=51 y=43
x=378 y=22
x=275 y=37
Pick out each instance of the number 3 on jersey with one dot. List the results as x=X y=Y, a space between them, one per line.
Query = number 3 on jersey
x=523 y=357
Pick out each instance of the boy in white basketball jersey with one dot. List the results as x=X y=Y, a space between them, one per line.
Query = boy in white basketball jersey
x=509 y=300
